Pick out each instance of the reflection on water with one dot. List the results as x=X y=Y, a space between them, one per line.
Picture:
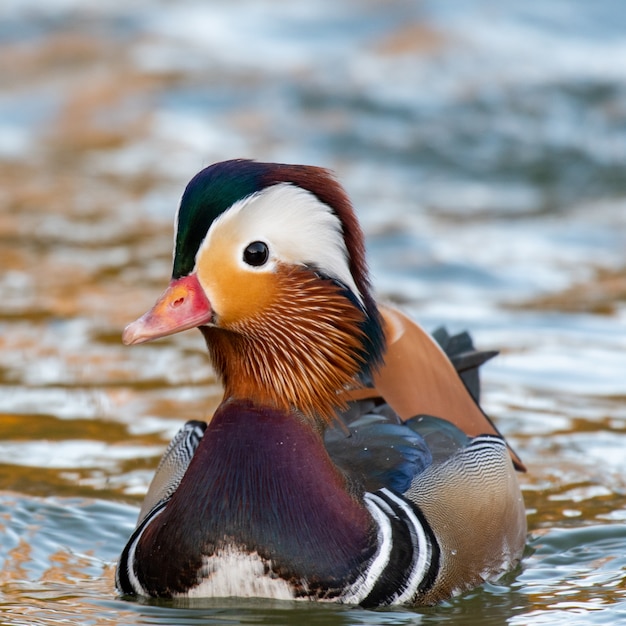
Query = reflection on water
x=484 y=145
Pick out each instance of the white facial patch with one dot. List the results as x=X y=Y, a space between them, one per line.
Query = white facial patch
x=297 y=228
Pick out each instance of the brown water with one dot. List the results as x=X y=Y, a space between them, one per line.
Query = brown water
x=485 y=151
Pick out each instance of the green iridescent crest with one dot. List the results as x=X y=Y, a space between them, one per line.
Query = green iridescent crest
x=211 y=192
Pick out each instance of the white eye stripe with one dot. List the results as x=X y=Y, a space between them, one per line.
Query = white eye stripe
x=297 y=227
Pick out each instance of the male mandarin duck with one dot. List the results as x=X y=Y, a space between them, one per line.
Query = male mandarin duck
x=349 y=460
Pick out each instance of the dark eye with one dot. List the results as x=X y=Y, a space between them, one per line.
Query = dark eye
x=256 y=254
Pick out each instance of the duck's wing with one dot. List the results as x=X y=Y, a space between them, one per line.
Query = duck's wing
x=377 y=450
x=419 y=378
x=374 y=448
x=467 y=522
x=172 y=466
x=471 y=501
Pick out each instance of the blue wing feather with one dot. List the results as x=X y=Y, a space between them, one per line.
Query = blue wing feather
x=376 y=452
x=376 y=449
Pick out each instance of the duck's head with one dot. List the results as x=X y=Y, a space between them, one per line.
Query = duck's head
x=269 y=263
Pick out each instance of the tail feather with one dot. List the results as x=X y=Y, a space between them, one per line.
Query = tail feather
x=464 y=356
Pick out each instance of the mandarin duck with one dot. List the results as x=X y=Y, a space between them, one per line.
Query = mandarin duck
x=349 y=459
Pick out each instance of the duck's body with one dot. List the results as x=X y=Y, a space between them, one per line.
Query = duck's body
x=349 y=461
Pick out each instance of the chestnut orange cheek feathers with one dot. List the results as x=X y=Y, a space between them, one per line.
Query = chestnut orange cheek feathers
x=182 y=305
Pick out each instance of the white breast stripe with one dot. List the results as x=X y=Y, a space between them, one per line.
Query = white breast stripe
x=422 y=551
x=363 y=586
x=130 y=562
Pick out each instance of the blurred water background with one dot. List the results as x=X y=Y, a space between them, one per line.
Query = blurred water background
x=484 y=145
